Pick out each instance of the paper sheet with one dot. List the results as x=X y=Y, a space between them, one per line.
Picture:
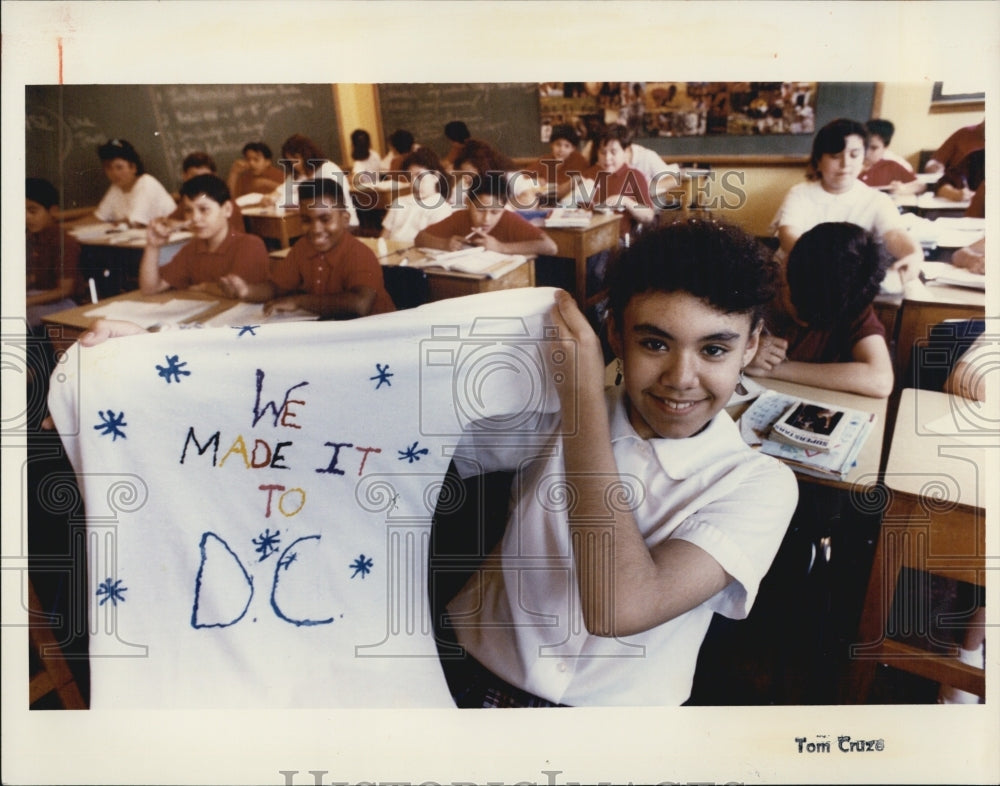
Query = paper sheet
x=149 y=314
x=244 y=314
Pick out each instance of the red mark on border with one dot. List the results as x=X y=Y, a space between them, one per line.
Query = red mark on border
x=60 y=46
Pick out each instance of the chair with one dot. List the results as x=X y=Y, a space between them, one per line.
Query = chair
x=53 y=676
x=407 y=286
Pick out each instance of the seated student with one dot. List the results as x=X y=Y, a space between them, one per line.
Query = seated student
x=834 y=193
x=425 y=205
x=956 y=147
x=554 y=171
x=53 y=256
x=199 y=163
x=972 y=257
x=612 y=183
x=882 y=172
x=134 y=196
x=706 y=513
x=821 y=329
x=215 y=251
x=961 y=181
x=328 y=271
x=486 y=222
x=481 y=158
x=367 y=163
x=401 y=144
x=308 y=163
x=457 y=134
x=254 y=173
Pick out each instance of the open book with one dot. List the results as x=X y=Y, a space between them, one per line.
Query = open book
x=946 y=274
x=810 y=425
x=757 y=429
x=475 y=260
x=569 y=217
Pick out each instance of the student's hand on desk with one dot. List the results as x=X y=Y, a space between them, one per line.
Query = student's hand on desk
x=972 y=258
x=234 y=286
x=103 y=329
x=771 y=353
x=906 y=268
x=457 y=243
x=281 y=305
x=488 y=242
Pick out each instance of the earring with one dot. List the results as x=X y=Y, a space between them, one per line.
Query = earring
x=741 y=389
x=618 y=371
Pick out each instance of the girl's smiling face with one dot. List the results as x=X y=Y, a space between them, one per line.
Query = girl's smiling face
x=681 y=361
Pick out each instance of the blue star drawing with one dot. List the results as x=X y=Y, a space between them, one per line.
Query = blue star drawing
x=411 y=454
x=382 y=375
x=111 y=590
x=111 y=423
x=244 y=329
x=172 y=369
x=362 y=565
x=286 y=563
x=267 y=543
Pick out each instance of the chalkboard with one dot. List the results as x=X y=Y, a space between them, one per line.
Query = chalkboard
x=64 y=124
x=833 y=100
x=503 y=114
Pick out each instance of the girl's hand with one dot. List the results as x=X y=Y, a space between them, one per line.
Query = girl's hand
x=770 y=354
x=576 y=359
x=103 y=329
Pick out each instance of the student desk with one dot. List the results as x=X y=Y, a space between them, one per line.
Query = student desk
x=272 y=223
x=934 y=522
x=445 y=284
x=378 y=196
x=69 y=324
x=866 y=468
x=930 y=206
x=924 y=306
x=578 y=243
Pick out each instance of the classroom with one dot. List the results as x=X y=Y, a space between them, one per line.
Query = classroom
x=882 y=561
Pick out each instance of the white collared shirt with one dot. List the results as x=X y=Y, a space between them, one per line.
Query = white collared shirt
x=524 y=622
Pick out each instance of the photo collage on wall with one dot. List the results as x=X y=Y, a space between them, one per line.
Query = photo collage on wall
x=671 y=109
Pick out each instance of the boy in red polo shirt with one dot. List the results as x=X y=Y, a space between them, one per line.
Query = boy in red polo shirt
x=328 y=271
x=486 y=222
x=216 y=250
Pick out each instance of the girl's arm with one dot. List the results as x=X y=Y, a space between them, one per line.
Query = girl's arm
x=905 y=251
x=625 y=587
x=868 y=373
x=351 y=303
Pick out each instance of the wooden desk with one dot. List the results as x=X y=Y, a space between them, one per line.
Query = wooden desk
x=69 y=324
x=380 y=196
x=446 y=283
x=866 y=468
x=578 y=243
x=924 y=306
x=274 y=224
x=934 y=522
x=930 y=206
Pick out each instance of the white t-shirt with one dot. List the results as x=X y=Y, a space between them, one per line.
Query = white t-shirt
x=146 y=200
x=287 y=194
x=808 y=204
x=651 y=165
x=408 y=215
x=524 y=622
x=367 y=170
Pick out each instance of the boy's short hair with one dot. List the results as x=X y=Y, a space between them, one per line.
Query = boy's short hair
x=492 y=184
x=567 y=132
x=834 y=271
x=425 y=158
x=39 y=190
x=402 y=140
x=719 y=263
x=483 y=157
x=884 y=129
x=832 y=139
x=197 y=160
x=212 y=186
x=456 y=131
x=361 y=144
x=612 y=133
x=311 y=191
x=259 y=147
x=120 y=148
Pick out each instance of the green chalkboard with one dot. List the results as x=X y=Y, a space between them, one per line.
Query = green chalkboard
x=503 y=114
x=64 y=124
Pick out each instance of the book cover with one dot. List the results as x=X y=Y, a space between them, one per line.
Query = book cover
x=810 y=425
